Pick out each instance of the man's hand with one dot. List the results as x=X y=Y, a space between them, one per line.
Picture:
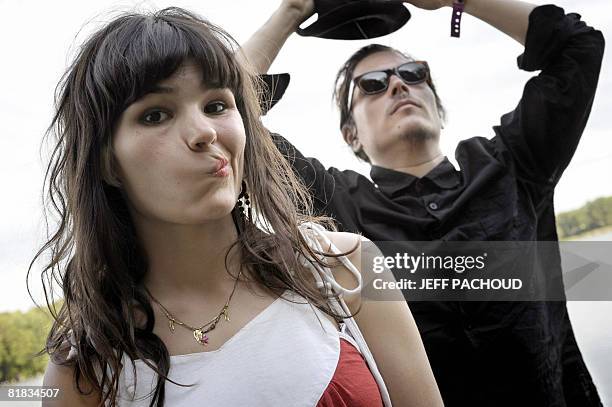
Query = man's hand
x=263 y=46
x=297 y=10
x=430 y=4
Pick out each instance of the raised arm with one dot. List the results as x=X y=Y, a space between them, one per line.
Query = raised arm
x=509 y=16
x=263 y=46
x=542 y=133
x=260 y=50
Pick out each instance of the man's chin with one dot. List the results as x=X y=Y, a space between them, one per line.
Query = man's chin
x=416 y=133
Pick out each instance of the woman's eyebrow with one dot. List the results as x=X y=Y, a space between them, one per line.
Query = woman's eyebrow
x=156 y=90
x=162 y=89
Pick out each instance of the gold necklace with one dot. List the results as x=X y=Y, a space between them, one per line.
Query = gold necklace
x=199 y=333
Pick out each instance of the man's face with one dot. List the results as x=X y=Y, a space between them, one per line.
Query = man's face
x=401 y=115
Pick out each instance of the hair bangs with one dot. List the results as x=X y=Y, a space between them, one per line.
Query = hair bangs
x=142 y=50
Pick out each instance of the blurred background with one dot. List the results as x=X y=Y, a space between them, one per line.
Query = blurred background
x=476 y=77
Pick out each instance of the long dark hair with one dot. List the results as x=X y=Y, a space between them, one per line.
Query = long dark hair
x=94 y=252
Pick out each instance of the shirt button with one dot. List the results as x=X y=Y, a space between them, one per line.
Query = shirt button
x=433 y=206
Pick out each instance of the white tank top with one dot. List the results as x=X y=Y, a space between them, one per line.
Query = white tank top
x=285 y=356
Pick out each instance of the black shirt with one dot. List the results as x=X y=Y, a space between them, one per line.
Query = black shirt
x=491 y=354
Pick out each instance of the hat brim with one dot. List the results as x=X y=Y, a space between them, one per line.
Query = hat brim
x=358 y=20
x=272 y=90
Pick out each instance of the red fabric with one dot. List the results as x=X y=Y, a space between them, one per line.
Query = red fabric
x=353 y=384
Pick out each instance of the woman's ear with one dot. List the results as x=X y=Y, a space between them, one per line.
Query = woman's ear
x=109 y=173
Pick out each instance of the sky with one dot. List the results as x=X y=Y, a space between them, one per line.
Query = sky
x=476 y=76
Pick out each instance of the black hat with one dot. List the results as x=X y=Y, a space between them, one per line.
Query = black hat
x=356 y=19
x=273 y=89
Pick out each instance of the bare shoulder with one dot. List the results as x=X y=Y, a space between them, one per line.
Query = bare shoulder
x=62 y=377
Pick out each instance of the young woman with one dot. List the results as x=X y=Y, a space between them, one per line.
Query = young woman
x=191 y=271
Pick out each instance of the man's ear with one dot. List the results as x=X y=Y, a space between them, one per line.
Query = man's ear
x=349 y=133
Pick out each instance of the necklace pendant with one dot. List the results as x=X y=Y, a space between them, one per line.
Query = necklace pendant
x=171 y=325
x=200 y=337
x=226 y=313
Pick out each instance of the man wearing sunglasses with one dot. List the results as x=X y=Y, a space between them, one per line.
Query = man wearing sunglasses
x=391 y=116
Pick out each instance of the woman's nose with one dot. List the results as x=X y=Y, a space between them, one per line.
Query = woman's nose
x=199 y=132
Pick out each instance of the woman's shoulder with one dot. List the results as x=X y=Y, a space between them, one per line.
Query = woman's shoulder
x=62 y=377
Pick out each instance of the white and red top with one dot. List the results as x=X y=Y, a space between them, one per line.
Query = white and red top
x=288 y=355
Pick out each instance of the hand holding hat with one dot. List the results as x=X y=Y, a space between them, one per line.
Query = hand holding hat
x=299 y=10
x=356 y=19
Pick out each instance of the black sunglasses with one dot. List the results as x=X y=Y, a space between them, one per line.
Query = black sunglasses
x=375 y=82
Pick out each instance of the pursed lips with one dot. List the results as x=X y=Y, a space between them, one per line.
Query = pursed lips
x=219 y=167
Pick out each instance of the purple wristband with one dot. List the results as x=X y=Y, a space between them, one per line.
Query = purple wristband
x=458 y=6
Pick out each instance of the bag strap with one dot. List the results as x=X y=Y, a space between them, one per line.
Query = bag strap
x=314 y=234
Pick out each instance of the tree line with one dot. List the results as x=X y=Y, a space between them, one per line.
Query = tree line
x=594 y=214
x=22 y=337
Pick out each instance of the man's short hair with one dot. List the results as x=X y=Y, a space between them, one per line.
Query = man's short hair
x=345 y=76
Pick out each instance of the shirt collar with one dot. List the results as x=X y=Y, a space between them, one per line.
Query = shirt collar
x=444 y=175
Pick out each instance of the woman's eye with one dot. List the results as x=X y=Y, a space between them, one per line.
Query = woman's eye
x=214 y=107
x=154 y=117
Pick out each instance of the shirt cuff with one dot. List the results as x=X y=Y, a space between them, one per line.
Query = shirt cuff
x=548 y=30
